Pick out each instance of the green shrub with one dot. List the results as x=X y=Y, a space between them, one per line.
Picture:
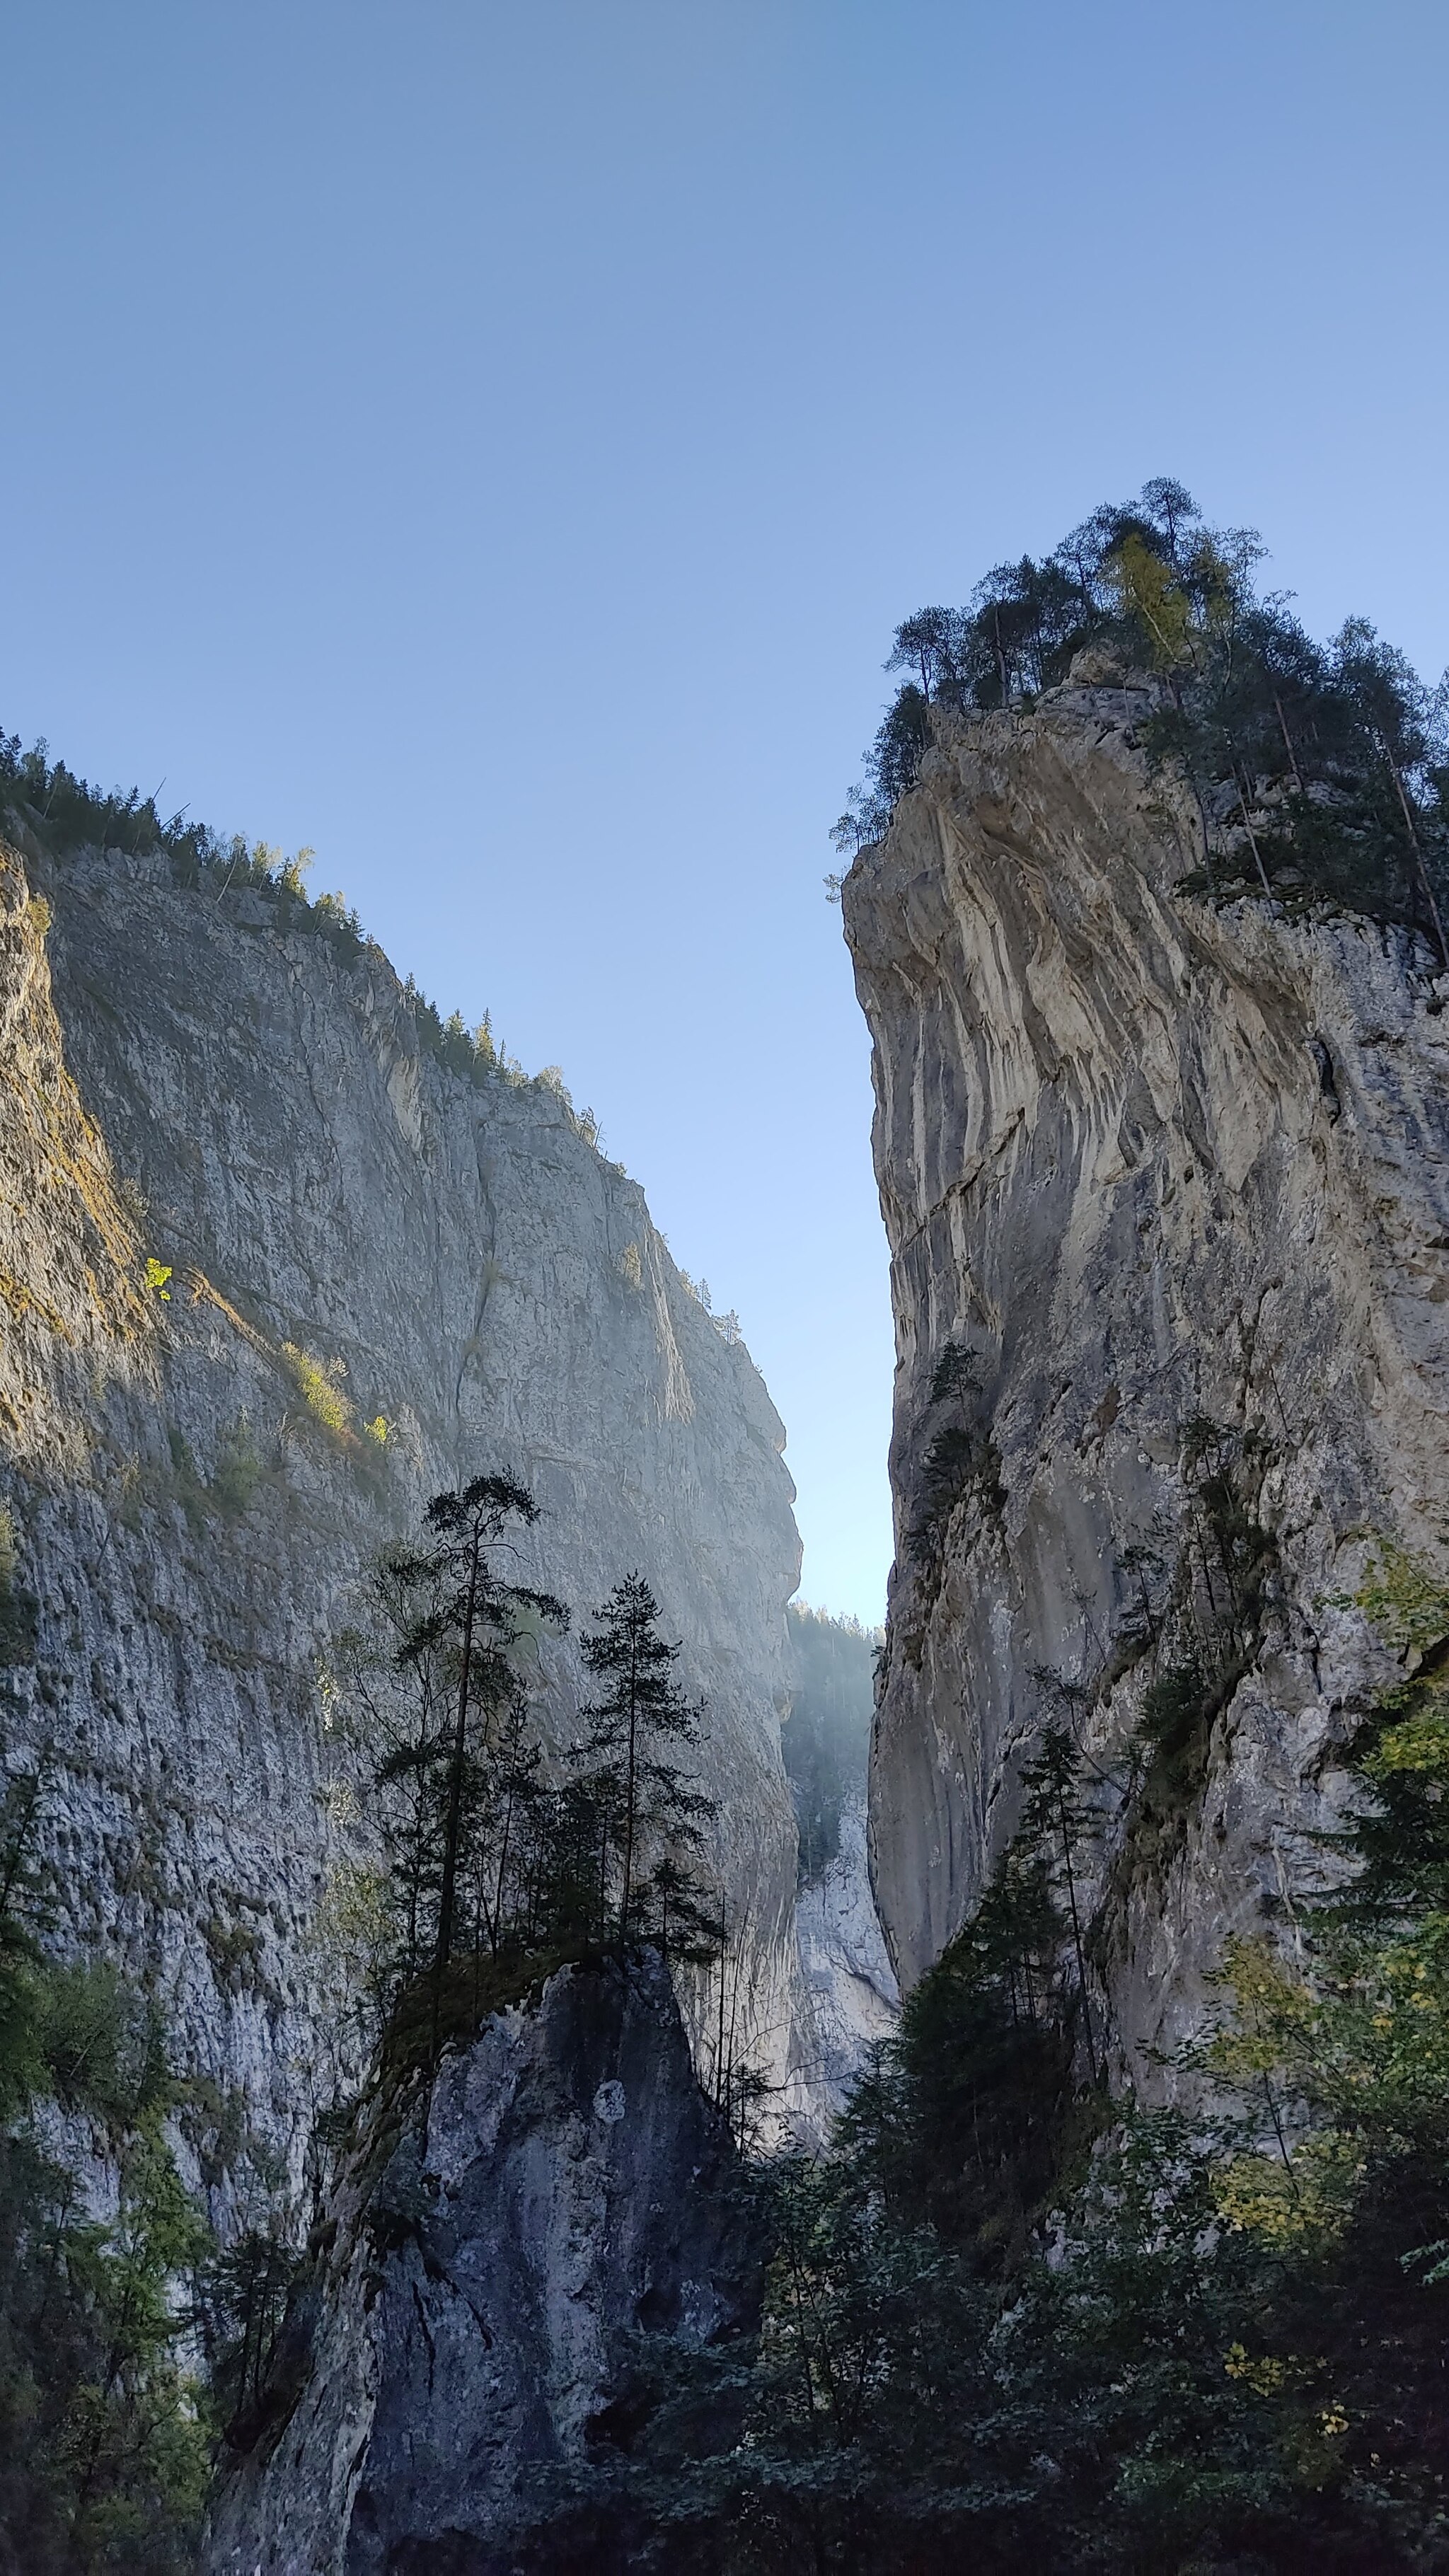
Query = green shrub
x=18 y=1606
x=317 y=1384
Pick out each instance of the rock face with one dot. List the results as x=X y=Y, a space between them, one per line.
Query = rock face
x=1167 y=1194
x=848 y=1975
x=474 y=2380
x=851 y=1984
x=355 y=1236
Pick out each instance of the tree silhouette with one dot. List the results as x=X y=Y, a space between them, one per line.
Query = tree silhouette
x=648 y=1814
x=466 y=1764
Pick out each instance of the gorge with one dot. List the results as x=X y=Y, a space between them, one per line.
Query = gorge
x=275 y=1270
x=1129 y=2247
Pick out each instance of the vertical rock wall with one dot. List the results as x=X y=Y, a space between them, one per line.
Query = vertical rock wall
x=1161 y=1175
x=351 y=1232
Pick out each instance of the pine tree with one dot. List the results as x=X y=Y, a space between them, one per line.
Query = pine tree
x=1056 y=1820
x=648 y=1814
x=465 y=1767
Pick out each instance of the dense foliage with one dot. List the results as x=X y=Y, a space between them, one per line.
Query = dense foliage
x=104 y=2432
x=1319 y=773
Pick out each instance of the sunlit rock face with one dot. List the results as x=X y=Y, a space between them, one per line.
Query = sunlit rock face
x=518 y=2265
x=355 y=1236
x=1141 y=1161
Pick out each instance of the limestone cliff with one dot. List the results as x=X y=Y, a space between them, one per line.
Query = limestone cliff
x=1167 y=1195
x=382 y=1278
x=514 y=2270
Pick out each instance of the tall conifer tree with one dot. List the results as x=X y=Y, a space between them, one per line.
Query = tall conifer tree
x=649 y=1813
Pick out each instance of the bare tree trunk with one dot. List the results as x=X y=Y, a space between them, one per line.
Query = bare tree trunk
x=1414 y=844
x=1288 y=743
x=1207 y=855
x=1253 y=844
x=629 y=1798
x=719 y=2055
x=1076 y=1929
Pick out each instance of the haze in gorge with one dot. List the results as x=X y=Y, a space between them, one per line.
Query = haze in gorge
x=724 y=1577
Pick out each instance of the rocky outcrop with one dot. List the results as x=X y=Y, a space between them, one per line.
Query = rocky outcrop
x=1167 y=1194
x=368 y=1278
x=519 y=2266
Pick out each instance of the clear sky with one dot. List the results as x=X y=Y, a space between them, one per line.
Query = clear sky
x=494 y=444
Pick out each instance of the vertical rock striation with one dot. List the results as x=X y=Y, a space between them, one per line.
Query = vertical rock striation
x=1167 y=1193
x=848 y=1975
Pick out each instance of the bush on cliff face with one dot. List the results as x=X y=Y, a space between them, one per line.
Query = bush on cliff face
x=104 y=2440
x=1320 y=773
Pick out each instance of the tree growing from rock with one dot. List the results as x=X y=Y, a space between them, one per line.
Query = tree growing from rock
x=1320 y=773
x=649 y=1817
x=463 y=1769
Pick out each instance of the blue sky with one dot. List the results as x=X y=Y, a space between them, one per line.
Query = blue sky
x=494 y=445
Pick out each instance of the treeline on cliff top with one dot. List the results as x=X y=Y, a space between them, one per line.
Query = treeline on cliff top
x=50 y=802
x=67 y=815
x=1320 y=773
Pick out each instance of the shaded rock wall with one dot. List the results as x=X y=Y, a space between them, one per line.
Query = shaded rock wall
x=187 y=1080
x=1143 y=1160
x=476 y=2379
